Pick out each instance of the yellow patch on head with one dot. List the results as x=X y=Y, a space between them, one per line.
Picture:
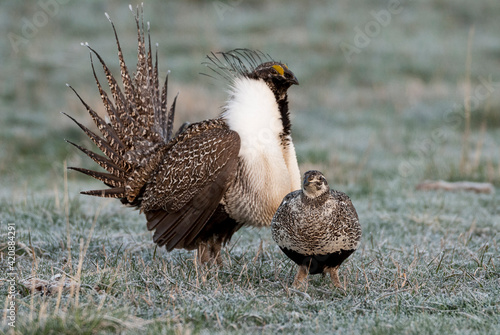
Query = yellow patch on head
x=279 y=69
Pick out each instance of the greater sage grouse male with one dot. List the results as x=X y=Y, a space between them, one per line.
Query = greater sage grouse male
x=317 y=228
x=199 y=186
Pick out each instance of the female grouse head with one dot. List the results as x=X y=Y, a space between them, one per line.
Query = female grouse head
x=314 y=184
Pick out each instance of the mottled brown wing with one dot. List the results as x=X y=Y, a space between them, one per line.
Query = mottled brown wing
x=179 y=229
x=189 y=185
x=347 y=216
x=194 y=161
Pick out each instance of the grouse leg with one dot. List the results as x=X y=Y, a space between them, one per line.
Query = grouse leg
x=215 y=249
x=203 y=253
x=301 y=277
x=334 y=275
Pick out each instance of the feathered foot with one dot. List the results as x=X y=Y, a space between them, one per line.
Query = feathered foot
x=301 y=277
x=334 y=275
x=209 y=252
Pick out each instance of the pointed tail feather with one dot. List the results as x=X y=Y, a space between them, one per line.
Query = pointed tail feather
x=104 y=146
x=118 y=192
x=103 y=162
x=106 y=130
x=107 y=178
x=122 y=105
x=118 y=120
x=127 y=81
x=170 y=122
x=140 y=125
x=141 y=96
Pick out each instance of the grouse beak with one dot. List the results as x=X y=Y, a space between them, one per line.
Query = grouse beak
x=312 y=184
x=293 y=81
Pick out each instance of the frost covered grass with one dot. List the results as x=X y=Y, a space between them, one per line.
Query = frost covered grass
x=428 y=264
x=392 y=117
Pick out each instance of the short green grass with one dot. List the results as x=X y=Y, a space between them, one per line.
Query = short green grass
x=377 y=126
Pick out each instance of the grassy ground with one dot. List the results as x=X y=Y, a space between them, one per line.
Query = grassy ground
x=376 y=124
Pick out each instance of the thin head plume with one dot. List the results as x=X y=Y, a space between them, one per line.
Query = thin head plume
x=235 y=63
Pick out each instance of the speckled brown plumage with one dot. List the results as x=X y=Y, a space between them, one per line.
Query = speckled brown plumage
x=317 y=228
x=196 y=187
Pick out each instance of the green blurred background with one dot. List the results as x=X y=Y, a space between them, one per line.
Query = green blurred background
x=391 y=111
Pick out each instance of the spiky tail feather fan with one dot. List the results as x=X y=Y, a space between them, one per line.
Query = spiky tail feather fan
x=139 y=128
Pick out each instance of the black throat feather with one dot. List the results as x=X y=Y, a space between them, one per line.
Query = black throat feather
x=285 y=118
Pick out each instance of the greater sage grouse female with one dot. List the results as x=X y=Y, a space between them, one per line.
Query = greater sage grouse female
x=200 y=185
x=317 y=228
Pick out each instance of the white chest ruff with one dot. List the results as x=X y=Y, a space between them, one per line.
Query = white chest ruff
x=268 y=169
